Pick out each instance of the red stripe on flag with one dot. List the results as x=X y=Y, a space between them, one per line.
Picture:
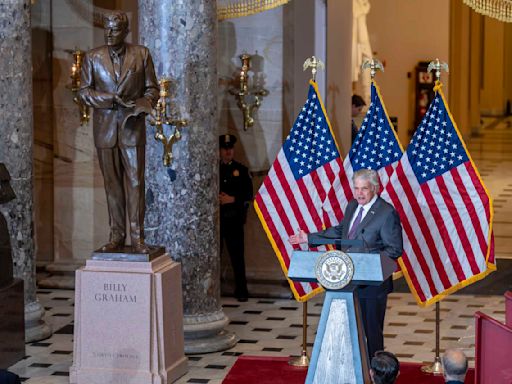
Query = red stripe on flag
x=406 y=225
x=491 y=251
x=331 y=195
x=288 y=195
x=480 y=189
x=441 y=228
x=461 y=230
x=315 y=178
x=482 y=240
x=486 y=204
x=278 y=206
x=278 y=241
x=309 y=204
x=389 y=169
x=414 y=279
x=345 y=183
x=424 y=229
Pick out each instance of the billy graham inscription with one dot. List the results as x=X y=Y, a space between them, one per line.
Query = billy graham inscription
x=115 y=293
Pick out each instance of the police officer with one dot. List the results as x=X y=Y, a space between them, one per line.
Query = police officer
x=234 y=198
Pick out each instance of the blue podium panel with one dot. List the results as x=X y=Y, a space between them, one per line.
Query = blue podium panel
x=369 y=268
x=339 y=353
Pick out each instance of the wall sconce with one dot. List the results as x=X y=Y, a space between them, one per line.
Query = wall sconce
x=247 y=100
x=76 y=68
x=160 y=117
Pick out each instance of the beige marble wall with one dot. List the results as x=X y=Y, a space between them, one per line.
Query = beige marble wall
x=260 y=35
x=79 y=202
x=459 y=76
x=493 y=88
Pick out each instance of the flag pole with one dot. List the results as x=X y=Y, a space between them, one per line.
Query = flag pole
x=303 y=359
x=436 y=368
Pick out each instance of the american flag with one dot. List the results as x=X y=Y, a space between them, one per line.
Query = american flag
x=297 y=192
x=445 y=209
x=376 y=145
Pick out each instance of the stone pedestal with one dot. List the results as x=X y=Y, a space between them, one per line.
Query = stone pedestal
x=128 y=323
x=12 y=328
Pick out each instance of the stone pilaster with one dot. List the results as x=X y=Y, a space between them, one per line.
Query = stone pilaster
x=16 y=137
x=182 y=201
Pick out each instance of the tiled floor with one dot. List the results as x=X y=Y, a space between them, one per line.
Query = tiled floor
x=273 y=327
x=269 y=327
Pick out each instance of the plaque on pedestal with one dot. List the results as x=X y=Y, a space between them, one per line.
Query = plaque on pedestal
x=128 y=323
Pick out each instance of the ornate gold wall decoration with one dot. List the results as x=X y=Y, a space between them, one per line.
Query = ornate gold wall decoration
x=229 y=9
x=497 y=9
x=226 y=9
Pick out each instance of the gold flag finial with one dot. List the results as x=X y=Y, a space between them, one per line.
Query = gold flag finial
x=313 y=63
x=438 y=66
x=373 y=65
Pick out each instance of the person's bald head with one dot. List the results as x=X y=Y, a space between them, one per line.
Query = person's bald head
x=455 y=365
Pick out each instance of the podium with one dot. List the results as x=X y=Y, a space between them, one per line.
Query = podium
x=340 y=353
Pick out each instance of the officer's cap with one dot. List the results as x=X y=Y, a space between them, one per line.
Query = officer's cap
x=227 y=141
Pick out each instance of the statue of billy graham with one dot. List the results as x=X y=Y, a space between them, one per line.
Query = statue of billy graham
x=118 y=80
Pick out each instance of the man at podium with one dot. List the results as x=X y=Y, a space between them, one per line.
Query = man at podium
x=376 y=224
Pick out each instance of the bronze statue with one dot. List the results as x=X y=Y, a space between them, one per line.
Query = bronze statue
x=6 y=195
x=118 y=80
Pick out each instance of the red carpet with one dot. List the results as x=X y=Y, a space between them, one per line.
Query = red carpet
x=275 y=370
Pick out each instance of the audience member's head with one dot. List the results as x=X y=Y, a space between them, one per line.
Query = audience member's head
x=358 y=104
x=384 y=368
x=455 y=365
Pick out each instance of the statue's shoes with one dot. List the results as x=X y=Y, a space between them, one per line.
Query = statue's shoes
x=112 y=246
x=140 y=248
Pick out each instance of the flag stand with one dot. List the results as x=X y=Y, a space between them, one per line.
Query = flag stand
x=303 y=359
x=436 y=367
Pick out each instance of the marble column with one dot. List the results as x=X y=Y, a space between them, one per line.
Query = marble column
x=16 y=139
x=182 y=201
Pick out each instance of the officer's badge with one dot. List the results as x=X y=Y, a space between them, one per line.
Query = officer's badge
x=236 y=173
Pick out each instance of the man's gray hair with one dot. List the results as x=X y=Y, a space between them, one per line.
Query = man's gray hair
x=455 y=364
x=116 y=17
x=368 y=174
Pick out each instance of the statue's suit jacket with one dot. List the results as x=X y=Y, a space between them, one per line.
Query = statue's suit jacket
x=137 y=82
x=380 y=231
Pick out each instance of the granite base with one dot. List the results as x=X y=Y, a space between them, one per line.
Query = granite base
x=128 y=323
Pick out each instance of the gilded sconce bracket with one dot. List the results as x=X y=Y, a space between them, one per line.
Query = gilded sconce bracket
x=160 y=116
x=76 y=68
x=248 y=100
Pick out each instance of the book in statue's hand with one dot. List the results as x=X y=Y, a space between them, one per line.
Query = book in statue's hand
x=142 y=106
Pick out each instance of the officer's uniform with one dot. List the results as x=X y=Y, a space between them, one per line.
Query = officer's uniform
x=234 y=181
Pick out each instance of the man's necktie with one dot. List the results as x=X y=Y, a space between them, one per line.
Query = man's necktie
x=116 y=60
x=353 y=229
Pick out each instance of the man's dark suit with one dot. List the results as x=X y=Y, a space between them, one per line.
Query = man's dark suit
x=121 y=147
x=381 y=232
